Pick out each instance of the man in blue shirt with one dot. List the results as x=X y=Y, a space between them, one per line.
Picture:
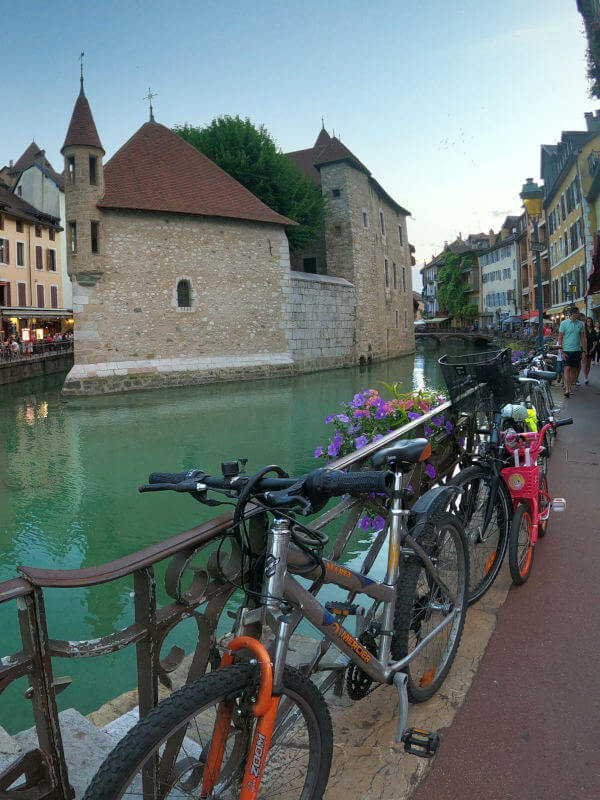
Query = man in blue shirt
x=571 y=340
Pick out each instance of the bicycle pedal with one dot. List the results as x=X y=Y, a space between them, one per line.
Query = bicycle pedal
x=559 y=504
x=417 y=742
x=341 y=609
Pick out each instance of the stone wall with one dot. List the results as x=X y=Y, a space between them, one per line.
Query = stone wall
x=237 y=271
x=319 y=318
x=358 y=251
x=14 y=371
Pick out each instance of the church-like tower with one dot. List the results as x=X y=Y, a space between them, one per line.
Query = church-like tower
x=84 y=186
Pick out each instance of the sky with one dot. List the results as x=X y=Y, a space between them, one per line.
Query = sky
x=447 y=103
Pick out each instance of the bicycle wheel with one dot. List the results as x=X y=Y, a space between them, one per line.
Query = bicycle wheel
x=421 y=605
x=165 y=754
x=486 y=547
x=520 y=545
x=544 y=412
x=543 y=504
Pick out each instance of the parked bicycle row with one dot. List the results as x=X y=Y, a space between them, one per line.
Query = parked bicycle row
x=255 y=727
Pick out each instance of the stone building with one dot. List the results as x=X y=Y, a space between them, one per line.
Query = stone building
x=364 y=242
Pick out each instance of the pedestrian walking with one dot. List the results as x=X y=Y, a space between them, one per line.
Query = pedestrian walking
x=597 y=352
x=591 y=341
x=571 y=340
x=559 y=366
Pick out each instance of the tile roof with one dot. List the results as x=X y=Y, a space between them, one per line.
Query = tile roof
x=35 y=155
x=329 y=150
x=157 y=170
x=15 y=206
x=82 y=128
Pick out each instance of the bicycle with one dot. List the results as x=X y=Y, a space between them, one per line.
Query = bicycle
x=484 y=384
x=532 y=504
x=260 y=726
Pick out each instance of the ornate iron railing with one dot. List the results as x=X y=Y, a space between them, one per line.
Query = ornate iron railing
x=43 y=773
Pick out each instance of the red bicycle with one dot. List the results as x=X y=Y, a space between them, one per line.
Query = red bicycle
x=528 y=487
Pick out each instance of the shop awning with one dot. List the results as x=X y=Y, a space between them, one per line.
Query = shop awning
x=436 y=320
x=530 y=314
x=37 y=313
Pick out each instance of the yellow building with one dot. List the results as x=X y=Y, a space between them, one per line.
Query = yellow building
x=31 y=294
x=567 y=170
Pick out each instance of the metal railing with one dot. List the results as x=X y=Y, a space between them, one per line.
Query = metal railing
x=43 y=773
x=28 y=351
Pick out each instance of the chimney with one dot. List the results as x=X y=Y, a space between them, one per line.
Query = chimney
x=10 y=164
x=592 y=121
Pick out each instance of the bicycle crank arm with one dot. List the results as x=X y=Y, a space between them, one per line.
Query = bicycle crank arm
x=400 y=679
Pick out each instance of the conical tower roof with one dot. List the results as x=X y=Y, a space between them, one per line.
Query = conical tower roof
x=82 y=128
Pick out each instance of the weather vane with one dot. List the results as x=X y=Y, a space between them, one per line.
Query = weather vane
x=149 y=97
x=81 y=55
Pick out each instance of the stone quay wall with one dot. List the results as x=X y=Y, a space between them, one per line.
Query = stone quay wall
x=319 y=315
x=21 y=370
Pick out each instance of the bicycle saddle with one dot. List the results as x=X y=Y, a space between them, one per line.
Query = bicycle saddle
x=401 y=456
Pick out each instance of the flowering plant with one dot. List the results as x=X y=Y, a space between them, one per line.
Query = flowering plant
x=368 y=417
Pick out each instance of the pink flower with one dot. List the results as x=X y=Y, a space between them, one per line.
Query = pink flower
x=424 y=406
x=387 y=407
x=371 y=401
x=409 y=403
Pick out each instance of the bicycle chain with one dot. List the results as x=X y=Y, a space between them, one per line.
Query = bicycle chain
x=358 y=683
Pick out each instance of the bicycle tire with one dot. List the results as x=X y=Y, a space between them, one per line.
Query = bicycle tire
x=543 y=505
x=119 y=770
x=520 y=555
x=417 y=599
x=486 y=548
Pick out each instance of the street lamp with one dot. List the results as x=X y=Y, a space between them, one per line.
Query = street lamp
x=532 y=196
x=572 y=290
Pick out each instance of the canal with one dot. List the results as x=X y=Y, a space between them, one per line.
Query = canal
x=69 y=472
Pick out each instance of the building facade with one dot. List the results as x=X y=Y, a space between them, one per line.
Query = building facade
x=31 y=290
x=568 y=170
x=33 y=178
x=364 y=242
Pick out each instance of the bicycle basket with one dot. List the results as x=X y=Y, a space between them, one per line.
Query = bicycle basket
x=479 y=381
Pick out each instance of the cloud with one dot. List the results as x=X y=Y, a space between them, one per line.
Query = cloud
x=502 y=213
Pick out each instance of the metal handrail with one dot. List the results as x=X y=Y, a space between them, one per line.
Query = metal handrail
x=45 y=768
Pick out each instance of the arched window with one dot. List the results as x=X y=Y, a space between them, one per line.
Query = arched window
x=184 y=294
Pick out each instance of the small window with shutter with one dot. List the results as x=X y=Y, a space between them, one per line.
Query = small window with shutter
x=21 y=294
x=54 y=297
x=39 y=257
x=4 y=293
x=51 y=259
x=19 y=226
x=73 y=237
x=4 y=251
x=38 y=231
x=39 y=291
x=71 y=167
x=1 y=222
x=20 y=254
x=52 y=234
x=93 y=162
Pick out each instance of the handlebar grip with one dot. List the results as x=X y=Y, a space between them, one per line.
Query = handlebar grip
x=167 y=477
x=541 y=375
x=560 y=422
x=330 y=483
x=157 y=487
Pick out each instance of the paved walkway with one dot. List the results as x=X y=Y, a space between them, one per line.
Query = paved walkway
x=530 y=726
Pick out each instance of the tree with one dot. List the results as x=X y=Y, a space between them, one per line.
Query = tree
x=250 y=155
x=452 y=285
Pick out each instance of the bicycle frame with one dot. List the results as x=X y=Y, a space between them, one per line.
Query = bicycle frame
x=279 y=583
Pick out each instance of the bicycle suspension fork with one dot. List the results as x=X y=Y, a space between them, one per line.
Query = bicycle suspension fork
x=497 y=450
x=397 y=528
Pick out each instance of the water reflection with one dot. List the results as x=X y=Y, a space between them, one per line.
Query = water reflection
x=69 y=473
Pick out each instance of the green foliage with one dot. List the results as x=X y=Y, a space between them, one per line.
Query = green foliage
x=593 y=72
x=250 y=155
x=452 y=285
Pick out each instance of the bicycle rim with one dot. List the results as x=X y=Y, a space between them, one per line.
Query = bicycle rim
x=166 y=753
x=421 y=605
x=486 y=547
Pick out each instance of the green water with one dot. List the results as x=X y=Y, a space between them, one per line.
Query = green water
x=69 y=472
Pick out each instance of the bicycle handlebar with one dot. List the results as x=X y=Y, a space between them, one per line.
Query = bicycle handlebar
x=541 y=375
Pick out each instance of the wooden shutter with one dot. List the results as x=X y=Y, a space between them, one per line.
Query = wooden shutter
x=7 y=248
x=54 y=297
x=39 y=263
x=40 y=295
x=8 y=303
x=22 y=295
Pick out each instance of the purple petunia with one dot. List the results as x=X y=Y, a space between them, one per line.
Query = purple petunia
x=364 y=523
x=428 y=431
x=430 y=470
x=355 y=428
x=361 y=441
x=319 y=452
x=333 y=449
x=378 y=523
x=437 y=421
x=357 y=401
x=343 y=418
x=449 y=427
x=463 y=442
x=330 y=418
x=413 y=415
x=380 y=413
x=377 y=437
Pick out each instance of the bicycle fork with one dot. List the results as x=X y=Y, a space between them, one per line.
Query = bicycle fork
x=266 y=705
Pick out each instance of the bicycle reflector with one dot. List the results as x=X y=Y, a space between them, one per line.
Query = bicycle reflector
x=559 y=504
